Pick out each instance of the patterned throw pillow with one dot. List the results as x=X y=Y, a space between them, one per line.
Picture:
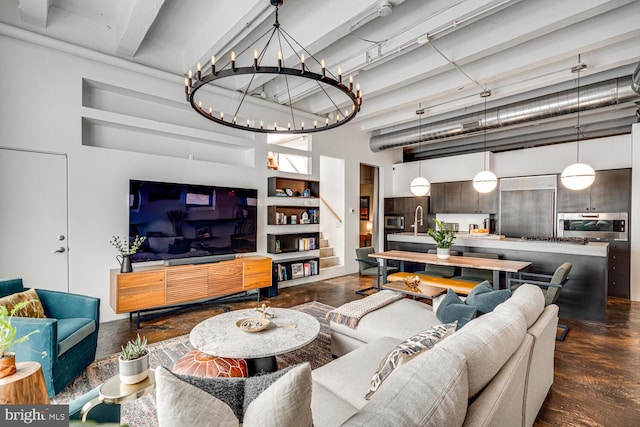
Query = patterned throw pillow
x=34 y=309
x=407 y=350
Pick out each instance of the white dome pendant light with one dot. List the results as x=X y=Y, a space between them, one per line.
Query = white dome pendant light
x=578 y=176
x=485 y=181
x=420 y=186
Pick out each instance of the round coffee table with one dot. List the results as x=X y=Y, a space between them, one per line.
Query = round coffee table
x=289 y=330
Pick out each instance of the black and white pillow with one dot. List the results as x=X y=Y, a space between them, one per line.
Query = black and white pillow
x=407 y=350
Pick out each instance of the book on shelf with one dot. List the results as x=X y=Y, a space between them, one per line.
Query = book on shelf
x=307 y=269
x=297 y=270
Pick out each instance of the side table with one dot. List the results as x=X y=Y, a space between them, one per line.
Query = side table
x=25 y=386
x=113 y=391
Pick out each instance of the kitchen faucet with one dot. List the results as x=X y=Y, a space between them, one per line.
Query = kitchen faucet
x=415 y=222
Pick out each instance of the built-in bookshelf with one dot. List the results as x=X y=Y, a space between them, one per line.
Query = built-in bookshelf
x=293 y=218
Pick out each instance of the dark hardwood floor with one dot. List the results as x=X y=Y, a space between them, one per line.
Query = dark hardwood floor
x=597 y=367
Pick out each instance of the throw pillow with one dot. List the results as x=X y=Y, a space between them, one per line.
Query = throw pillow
x=200 y=364
x=34 y=309
x=485 y=298
x=282 y=398
x=453 y=309
x=407 y=350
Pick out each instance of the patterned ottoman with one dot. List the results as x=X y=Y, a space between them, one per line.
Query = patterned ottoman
x=200 y=364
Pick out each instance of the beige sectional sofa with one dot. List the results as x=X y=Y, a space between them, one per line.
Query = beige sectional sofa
x=495 y=371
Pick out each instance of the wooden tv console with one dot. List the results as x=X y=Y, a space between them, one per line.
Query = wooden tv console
x=158 y=287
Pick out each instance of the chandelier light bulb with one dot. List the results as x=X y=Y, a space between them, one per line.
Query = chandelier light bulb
x=420 y=186
x=485 y=182
x=578 y=176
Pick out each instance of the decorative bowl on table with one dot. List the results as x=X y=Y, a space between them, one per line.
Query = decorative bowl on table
x=253 y=324
x=412 y=282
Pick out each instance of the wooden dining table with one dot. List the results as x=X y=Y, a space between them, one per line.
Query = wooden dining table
x=496 y=265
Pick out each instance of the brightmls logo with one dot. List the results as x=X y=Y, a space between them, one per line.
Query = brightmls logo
x=34 y=415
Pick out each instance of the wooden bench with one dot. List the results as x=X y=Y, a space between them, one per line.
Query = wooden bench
x=460 y=287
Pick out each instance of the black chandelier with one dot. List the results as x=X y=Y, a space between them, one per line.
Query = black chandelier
x=328 y=84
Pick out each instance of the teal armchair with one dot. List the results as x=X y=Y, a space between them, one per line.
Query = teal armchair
x=68 y=337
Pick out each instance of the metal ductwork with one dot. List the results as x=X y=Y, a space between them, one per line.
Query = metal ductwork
x=635 y=80
x=597 y=95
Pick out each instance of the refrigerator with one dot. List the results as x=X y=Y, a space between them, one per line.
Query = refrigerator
x=528 y=206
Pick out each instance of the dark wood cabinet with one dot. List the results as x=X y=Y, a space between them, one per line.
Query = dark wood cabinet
x=461 y=197
x=619 y=269
x=438 y=198
x=610 y=192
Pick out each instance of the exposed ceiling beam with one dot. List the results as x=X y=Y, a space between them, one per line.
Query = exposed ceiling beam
x=142 y=15
x=35 y=12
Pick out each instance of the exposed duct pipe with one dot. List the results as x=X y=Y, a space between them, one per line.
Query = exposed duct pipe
x=597 y=95
x=635 y=80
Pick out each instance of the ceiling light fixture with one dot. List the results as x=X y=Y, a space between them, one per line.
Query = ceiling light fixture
x=485 y=181
x=420 y=186
x=345 y=101
x=578 y=176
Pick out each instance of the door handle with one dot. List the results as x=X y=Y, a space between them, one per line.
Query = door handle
x=58 y=250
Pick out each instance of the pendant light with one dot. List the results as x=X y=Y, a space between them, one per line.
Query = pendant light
x=420 y=186
x=578 y=176
x=485 y=181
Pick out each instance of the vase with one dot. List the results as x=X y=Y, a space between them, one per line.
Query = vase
x=133 y=371
x=7 y=365
x=442 y=253
x=125 y=263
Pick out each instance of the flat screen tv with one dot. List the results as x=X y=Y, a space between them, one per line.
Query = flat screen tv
x=190 y=221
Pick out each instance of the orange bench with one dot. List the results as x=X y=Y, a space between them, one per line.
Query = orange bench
x=460 y=287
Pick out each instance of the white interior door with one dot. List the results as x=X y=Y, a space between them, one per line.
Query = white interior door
x=33 y=218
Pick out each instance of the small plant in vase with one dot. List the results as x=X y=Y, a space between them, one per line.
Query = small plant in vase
x=8 y=338
x=444 y=238
x=126 y=250
x=133 y=363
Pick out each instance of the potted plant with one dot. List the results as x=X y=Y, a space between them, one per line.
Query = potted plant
x=8 y=338
x=133 y=363
x=444 y=238
x=126 y=250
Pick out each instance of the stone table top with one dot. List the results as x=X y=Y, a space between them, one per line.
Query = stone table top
x=220 y=336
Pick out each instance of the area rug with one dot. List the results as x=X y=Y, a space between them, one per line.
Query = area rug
x=142 y=412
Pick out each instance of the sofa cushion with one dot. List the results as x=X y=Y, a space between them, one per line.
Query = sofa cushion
x=530 y=301
x=34 y=309
x=407 y=350
x=453 y=309
x=430 y=390
x=279 y=399
x=485 y=298
x=328 y=408
x=10 y=286
x=486 y=343
x=72 y=331
x=383 y=322
x=359 y=366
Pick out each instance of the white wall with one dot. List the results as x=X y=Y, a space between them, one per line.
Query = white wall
x=42 y=108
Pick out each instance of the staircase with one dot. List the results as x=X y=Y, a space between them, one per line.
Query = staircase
x=327 y=258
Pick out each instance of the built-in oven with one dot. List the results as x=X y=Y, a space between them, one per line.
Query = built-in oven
x=394 y=222
x=595 y=226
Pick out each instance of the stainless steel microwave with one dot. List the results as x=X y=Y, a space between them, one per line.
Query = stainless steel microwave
x=597 y=226
x=394 y=222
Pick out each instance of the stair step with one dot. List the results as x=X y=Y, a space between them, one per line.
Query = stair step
x=326 y=252
x=331 y=261
x=324 y=243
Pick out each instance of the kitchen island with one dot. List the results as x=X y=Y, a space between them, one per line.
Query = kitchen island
x=584 y=296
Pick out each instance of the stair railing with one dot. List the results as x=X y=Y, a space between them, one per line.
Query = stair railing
x=333 y=212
